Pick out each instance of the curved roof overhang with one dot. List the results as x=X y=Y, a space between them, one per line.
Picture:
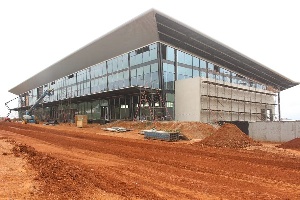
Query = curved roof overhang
x=149 y=27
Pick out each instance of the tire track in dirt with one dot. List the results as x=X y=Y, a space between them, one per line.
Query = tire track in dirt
x=181 y=170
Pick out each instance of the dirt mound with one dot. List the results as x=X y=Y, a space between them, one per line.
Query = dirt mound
x=292 y=144
x=192 y=130
x=60 y=179
x=228 y=135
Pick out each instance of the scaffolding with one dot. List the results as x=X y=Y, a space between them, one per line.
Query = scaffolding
x=153 y=101
x=223 y=101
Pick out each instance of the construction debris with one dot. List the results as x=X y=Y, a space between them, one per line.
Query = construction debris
x=161 y=135
x=116 y=129
x=187 y=130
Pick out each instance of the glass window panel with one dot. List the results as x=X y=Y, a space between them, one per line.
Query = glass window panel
x=132 y=60
x=154 y=67
x=171 y=68
x=115 y=80
x=210 y=66
x=165 y=67
x=226 y=72
x=153 y=54
x=211 y=75
x=169 y=77
x=120 y=62
x=84 y=75
x=154 y=80
x=147 y=69
x=196 y=73
x=126 y=78
x=125 y=61
x=140 y=71
x=78 y=78
x=139 y=59
x=133 y=81
x=92 y=72
x=153 y=46
x=147 y=80
x=126 y=74
x=188 y=60
x=115 y=64
x=146 y=56
x=195 y=62
x=203 y=74
x=234 y=78
x=133 y=72
x=180 y=56
x=203 y=64
x=88 y=74
x=93 y=82
x=180 y=72
x=140 y=79
x=188 y=73
x=104 y=69
x=221 y=70
x=170 y=54
x=133 y=77
x=102 y=84
x=110 y=81
x=96 y=70
x=219 y=77
x=109 y=67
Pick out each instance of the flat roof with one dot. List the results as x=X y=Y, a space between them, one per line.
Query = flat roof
x=149 y=27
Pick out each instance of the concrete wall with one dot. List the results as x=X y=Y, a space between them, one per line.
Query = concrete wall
x=274 y=131
x=188 y=99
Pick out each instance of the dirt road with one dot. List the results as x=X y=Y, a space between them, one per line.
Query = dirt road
x=74 y=163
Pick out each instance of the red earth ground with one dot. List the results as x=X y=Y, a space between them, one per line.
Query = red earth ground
x=66 y=162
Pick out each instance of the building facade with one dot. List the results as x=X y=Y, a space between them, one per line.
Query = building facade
x=155 y=68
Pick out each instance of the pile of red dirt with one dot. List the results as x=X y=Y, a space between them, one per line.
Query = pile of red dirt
x=57 y=178
x=228 y=135
x=292 y=144
x=191 y=130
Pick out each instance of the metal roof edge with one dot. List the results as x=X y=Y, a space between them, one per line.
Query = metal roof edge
x=140 y=16
x=224 y=45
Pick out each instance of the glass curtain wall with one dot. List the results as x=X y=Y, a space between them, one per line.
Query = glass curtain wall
x=156 y=66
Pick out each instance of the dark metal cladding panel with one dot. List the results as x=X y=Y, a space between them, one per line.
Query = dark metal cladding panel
x=132 y=35
x=183 y=37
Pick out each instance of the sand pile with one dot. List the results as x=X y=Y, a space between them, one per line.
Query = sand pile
x=228 y=135
x=292 y=144
x=191 y=130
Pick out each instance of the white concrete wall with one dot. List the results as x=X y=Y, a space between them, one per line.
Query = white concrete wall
x=274 y=131
x=188 y=99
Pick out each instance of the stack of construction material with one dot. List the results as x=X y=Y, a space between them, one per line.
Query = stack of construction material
x=81 y=121
x=161 y=135
x=115 y=129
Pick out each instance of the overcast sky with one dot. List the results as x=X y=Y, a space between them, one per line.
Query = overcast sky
x=35 y=34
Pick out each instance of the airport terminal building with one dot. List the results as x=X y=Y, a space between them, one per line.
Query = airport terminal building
x=155 y=68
